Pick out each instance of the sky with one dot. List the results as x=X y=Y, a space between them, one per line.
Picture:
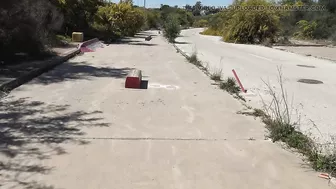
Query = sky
x=180 y=3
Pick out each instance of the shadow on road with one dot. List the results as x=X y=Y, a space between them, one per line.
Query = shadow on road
x=79 y=70
x=31 y=131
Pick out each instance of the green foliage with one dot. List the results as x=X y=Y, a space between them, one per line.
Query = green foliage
x=122 y=19
x=245 y=26
x=152 y=19
x=251 y=26
x=306 y=29
x=197 y=8
x=267 y=25
x=230 y=86
x=184 y=17
x=194 y=59
x=78 y=14
x=211 y=31
x=201 y=23
x=172 y=28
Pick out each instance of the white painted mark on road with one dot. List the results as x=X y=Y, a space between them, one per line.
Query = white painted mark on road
x=261 y=57
x=161 y=86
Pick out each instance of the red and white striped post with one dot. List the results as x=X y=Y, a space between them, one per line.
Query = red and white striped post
x=237 y=78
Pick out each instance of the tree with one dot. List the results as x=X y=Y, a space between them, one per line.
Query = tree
x=152 y=19
x=172 y=28
x=252 y=26
x=78 y=14
x=121 y=19
x=330 y=5
x=306 y=29
x=188 y=7
x=197 y=8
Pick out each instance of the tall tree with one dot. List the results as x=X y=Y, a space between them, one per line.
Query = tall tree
x=197 y=8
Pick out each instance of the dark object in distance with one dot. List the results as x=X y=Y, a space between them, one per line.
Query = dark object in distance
x=310 y=81
x=148 y=38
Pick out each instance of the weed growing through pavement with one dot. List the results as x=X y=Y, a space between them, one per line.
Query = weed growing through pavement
x=194 y=59
x=276 y=115
x=217 y=75
x=230 y=86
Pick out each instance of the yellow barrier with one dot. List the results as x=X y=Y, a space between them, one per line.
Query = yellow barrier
x=77 y=37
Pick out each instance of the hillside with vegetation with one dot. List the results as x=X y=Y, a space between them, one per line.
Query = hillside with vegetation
x=275 y=26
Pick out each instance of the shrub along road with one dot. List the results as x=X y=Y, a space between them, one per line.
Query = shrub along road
x=78 y=127
x=313 y=103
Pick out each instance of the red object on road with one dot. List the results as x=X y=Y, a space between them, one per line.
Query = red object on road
x=85 y=49
x=240 y=84
x=133 y=79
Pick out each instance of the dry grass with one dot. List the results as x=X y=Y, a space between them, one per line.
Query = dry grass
x=217 y=75
x=277 y=116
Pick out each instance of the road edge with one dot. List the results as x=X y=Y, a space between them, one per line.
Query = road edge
x=49 y=64
x=331 y=180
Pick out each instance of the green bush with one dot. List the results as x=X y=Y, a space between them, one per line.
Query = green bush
x=184 y=17
x=251 y=26
x=78 y=14
x=172 y=28
x=306 y=29
x=120 y=19
x=245 y=26
x=201 y=23
x=211 y=31
x=152 y=19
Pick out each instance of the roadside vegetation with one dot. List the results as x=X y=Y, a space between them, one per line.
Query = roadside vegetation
x=256 y=27
x=172 y=28
x=282 y=121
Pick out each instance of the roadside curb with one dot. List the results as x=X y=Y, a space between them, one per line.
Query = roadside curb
x=49 y=64
x=180 y=51
x=87 y=43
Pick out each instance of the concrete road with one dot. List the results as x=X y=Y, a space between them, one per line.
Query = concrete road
x=77 y=127
x=312 y=105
